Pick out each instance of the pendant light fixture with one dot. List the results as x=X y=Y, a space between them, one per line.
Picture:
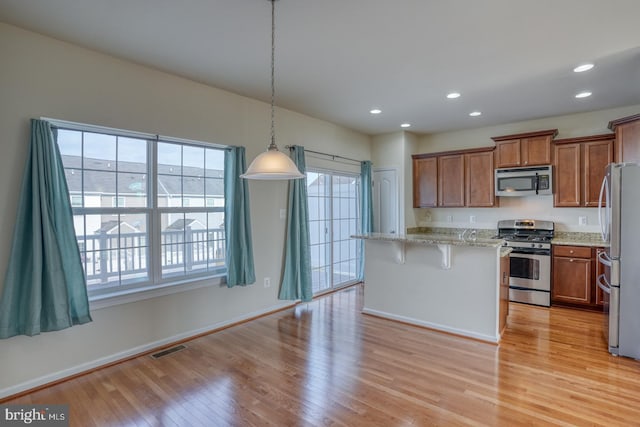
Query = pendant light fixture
x=272 y=164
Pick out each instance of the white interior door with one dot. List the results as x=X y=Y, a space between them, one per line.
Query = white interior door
x=385 y=201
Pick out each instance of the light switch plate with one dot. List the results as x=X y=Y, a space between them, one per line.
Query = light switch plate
x=472 y=219
x=449 y=218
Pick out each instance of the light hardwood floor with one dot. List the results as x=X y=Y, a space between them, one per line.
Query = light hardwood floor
x=325 y=363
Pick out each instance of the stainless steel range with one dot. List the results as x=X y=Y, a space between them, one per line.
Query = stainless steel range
x=530 y=276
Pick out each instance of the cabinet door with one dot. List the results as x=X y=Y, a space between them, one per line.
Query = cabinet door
x=508 y=153
x=628 y=138
x=597 y=155
x=571 y=280
x=425 y=182
x=535 y=151
x=567 y=175
x=451 y=180
x=479 y=182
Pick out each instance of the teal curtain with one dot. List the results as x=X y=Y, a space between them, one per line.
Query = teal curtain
x=366 y=210
x=296 y=279
x=237 y=220
x=44 y=288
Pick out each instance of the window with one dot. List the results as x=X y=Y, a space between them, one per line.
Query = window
x=139 y=207
x=333 y=199
x=76 y=201
x=117 y=202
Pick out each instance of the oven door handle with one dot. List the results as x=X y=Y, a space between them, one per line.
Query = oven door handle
x=602 y=284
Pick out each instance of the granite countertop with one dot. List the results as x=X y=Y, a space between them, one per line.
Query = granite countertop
x=433 y=239
x=578 y=239
x=561 y=237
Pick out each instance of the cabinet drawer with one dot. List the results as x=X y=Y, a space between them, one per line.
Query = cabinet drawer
x=572 y=251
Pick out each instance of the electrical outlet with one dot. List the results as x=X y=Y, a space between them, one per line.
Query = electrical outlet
x=449 y=218
x=472 y=219
x=582 y=220
x=267 y=282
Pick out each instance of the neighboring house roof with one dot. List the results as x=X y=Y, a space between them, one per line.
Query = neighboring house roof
x=109 y=227
x=182 y=224
x=132 y=178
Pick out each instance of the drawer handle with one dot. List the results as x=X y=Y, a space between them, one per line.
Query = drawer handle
x=571 y=251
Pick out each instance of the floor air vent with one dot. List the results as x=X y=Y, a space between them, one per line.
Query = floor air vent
x=171 y=350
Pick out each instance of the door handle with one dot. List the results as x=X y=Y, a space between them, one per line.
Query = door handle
x=604 y=259
x=605 y=287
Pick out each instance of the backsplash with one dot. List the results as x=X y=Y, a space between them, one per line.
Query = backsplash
x=535 y=207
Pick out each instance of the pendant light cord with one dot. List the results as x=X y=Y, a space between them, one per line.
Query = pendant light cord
x=273 y=145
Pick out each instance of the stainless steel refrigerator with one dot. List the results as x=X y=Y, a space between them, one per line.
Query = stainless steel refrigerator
x=620 y=225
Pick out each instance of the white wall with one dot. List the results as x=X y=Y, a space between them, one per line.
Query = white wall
x=43 y=77
x=569 y=126
x=393 y=151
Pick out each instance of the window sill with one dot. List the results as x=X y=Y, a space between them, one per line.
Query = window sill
x=98 y=302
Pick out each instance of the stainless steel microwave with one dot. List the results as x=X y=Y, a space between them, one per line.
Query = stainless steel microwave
x=529 y=181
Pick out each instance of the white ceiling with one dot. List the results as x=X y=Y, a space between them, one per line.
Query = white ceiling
x=337 y=59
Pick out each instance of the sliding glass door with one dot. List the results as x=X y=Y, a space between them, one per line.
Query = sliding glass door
x=333 y=217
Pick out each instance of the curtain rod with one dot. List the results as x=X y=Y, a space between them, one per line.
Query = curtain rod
x=333 y=156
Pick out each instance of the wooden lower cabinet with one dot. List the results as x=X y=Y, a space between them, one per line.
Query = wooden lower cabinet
x=574 y=278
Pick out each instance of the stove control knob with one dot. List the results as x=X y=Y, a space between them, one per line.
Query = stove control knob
x=533 y=245
x=539 y=245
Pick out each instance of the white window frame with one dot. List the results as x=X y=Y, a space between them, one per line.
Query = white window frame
x=331 y=173
x=156 y=285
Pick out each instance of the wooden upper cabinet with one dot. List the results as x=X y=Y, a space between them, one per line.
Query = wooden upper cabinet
x=524 y=149
x=579 y=169
x=451 y=180
x=425 y=182
x=479 y=181
x=536 y=150
x=508 y=153
x=627 y=131
x=454 y=179
x=597 y=155
x=567 y=175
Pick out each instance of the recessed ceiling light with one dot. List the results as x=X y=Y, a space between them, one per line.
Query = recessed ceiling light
x=405 y=125
x=475 y=113
x=583 y=94
x=583 y=67
x=375 y=111
x=453 y=95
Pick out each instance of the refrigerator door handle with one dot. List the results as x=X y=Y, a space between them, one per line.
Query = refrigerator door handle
x=604 y=225
x=602 y=284
x=604 y=259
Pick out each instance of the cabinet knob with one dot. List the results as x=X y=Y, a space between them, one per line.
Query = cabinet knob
x=571 y=251
x=571 y=260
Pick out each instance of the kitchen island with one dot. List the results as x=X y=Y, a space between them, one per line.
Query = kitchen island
x=446 y=282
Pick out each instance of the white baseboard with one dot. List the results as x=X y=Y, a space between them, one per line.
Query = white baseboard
x=430 y=325
x=97 y=363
